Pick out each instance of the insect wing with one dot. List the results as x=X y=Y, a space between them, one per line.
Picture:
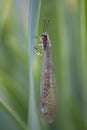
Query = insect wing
x=48 y=89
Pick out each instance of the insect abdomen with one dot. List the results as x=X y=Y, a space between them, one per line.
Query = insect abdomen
x=48 y=89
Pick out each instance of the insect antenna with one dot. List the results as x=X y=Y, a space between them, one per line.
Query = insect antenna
x=47 y=23
x=44 y=24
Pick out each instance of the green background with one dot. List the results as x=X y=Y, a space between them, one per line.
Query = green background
x=20 y=67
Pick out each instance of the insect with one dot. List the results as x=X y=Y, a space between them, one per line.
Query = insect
x=48 y=96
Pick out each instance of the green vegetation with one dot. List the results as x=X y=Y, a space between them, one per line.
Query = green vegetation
x=20 y=67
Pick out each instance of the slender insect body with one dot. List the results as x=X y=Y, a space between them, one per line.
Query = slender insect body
x=47 y=89
x=48 y=96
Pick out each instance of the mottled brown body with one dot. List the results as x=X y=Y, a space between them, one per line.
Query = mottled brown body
x=48 y=98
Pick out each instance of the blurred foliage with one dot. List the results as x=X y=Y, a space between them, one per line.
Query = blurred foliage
x=68 y=34
x=13 y=67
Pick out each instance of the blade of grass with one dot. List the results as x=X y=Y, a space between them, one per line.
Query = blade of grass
x=34 y=6
x=13 y=120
